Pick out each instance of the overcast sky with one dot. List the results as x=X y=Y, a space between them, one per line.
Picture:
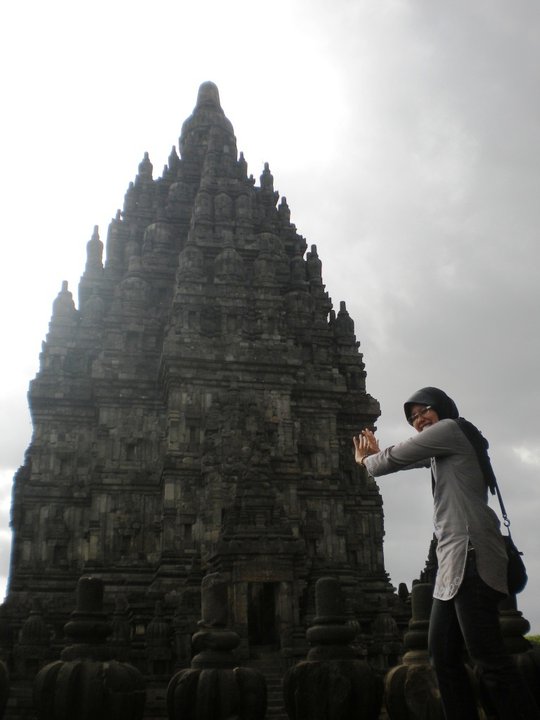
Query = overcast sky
x=406 y=138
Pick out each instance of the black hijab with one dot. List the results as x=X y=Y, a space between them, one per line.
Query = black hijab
x=446 y=408
x=443 y=405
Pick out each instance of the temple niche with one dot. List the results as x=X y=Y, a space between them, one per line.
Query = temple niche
x=194 y=415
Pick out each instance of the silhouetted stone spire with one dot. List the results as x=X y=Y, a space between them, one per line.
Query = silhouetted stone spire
x=130 y=201
x=94 y=253
x=145 y=168
x=267 y=179
x=92 y=278
x=344 y=325
x=284 y=212
x=64 y=320
x=198 y=406
x=242 y=167
x=314 y=267
x=115 y=245
x=174 y=162
x=207 y=129
x=63 y=306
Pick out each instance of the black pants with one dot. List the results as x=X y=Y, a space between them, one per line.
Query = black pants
x=471 y=620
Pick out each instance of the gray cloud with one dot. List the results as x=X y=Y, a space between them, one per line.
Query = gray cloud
x=406 y=137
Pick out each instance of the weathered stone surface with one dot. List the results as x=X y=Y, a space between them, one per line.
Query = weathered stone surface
x=214 y=688
x=86 y=683
x=524 y=654
x=411 y=691
x=332 y=684
x=196 y=411
x=4 y=687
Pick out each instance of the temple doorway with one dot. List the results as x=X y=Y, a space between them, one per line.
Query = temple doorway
x=262 y=622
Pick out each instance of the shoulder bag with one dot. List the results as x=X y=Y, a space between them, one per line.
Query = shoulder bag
x=517 y=572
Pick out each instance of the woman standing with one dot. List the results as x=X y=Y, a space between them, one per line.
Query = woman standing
x=472 y=562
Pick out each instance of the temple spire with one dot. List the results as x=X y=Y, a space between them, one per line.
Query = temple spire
x=195 y=408
x=208 y=95
x=63 y=306
x=146 y=168
x=207 y=122
x=94 y=253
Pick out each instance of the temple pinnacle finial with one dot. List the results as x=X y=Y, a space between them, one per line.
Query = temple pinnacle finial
x=208 y=94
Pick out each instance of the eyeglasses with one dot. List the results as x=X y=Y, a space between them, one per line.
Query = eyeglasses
x=417 y=415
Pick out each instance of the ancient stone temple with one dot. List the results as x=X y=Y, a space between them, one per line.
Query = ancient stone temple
x=193 y=414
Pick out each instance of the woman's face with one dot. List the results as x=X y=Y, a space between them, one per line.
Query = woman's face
x=422 y=416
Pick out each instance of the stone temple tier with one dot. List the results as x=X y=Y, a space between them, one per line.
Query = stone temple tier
x=193 y=415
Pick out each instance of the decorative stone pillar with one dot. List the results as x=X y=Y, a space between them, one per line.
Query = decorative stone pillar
x=85 y=684
x=525 y=655
x=332 y=684
x=4 y=688
x=386 y=649
x=513 y=626
x=120 y=639
x=181 y=638
x=213 y=688
x=5 y=653
x=6 y=636
x=158 y=644
x=528 y=664
x=34 y=647
x=411 y=691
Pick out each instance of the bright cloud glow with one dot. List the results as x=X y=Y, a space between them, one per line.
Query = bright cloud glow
x=529 y=456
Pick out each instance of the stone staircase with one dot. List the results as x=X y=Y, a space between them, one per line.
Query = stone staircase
x=270 y=664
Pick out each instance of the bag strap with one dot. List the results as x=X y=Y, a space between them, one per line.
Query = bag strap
x=480 y=445
x=506 y=519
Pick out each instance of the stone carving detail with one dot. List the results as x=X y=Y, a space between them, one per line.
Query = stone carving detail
x=385 y=649
x=120 y=639
x=411 y=691
x=94 y=254
x=86 y=683
x=229 y=266
x=158 y=643
x=331 y=684
x=314 y=267
x=34 y=646
x=214 y=687
x=193 y=414
x=190 y=264
x=93 y=310
x=63 y=306
x=4 y=688
x=524 y=654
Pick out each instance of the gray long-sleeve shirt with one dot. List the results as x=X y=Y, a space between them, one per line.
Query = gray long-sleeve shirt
x=461 y=513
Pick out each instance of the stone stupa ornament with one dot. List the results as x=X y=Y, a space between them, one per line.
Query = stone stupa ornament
x=214 y=688
x=86 y=684
x=332 y=684
x=411 y=691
